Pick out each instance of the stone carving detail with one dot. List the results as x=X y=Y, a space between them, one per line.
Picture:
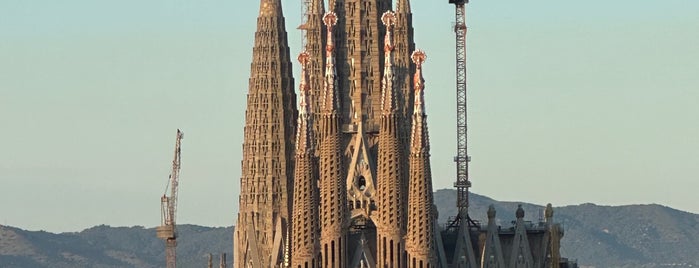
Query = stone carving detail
x=354 y=161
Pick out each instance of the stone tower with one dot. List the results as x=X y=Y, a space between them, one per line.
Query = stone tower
x=347 y=183
x=261 y=233
x=305 y=225
x=420 y=246
x=333 y=205
x=391 y=197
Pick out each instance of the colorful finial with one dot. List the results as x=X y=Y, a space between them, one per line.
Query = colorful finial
x=419 y=58
x=304 y=87
x=329 y=102
x=389 y=19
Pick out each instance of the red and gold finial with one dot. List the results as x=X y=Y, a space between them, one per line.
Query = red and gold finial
x=304 y=86
x=389 y=19
x=419 y=58
x=330 y=20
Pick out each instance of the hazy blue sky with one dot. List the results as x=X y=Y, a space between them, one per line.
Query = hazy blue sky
x=570 y=102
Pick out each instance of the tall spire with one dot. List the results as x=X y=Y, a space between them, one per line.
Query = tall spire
x=333 y=208
x=390 y=194
x=388 y=98
x=330 y=97
x=304 y=238
x=420 y=144
x=420 y=244
x=261 y=233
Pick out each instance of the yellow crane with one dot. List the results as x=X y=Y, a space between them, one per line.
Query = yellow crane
x=167 y=230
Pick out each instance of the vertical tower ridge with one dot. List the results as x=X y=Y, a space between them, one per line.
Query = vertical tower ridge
x=314 y=43
x=304 y=239
x=420 y=246
x=261 y=233
x=403 y=6
x=390 y=178
x=405 y=70
x=405 y=45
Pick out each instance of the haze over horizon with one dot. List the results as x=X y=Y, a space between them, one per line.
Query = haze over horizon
x=569 y=103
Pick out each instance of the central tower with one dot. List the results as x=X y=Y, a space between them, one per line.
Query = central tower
x=336 y=193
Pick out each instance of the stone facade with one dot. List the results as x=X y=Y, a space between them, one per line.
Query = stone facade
x=353 y=187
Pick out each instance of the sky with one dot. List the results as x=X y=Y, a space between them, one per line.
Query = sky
x=570 y=102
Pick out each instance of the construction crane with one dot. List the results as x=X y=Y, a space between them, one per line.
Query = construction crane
x=462 y=158
x=167 y=230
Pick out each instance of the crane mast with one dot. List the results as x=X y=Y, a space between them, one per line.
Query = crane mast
x=166 y=230
x=462 y=158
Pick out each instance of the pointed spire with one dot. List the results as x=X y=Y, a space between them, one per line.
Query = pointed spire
x=420 y=139
x=269 y=116
x=420 y=243
x=333 y=210
x=330 y=101
x=521 y=256
x=492 y=250
x=388 y=98
x=304 y=238
x=392 y=190
x=304 y=142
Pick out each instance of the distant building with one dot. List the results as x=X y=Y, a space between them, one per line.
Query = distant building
x=344 y=180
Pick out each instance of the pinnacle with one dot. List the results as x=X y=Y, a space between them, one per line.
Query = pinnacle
x=419 y=58
x=270 y=8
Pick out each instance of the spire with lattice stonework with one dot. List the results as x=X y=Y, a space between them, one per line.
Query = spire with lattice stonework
x=305 y=225
x=332 y=188
x=391 y=196
x=261 y=233
x=420 y=244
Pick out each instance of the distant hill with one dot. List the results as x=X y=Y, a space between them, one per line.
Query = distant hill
x=597 y=236
x=106 y=247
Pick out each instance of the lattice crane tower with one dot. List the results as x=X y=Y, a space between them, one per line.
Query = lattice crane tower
x=462 y=181
x=167 y=230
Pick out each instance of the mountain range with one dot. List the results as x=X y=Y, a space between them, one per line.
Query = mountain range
x=597 y=236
